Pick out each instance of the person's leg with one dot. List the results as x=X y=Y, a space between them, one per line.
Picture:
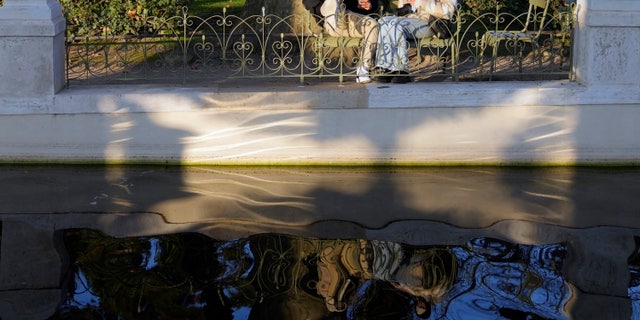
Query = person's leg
x=335 y=22
x=391 y=44
x=365 y=27
x=333 y=29
x=414 y=29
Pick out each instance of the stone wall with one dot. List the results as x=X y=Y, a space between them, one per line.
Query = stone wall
x=498 y=122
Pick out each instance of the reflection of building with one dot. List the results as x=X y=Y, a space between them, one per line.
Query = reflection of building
x=269 y=275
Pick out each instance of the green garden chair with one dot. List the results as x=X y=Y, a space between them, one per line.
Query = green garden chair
x=530 y=33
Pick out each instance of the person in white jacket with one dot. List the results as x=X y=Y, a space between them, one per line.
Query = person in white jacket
x=342 y=22
x=391 y=55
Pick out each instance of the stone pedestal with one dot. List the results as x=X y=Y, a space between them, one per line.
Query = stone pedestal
x=606 y=43
x=32 y=62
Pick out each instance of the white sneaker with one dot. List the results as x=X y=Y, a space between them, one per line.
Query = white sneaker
x=363 y=79
x=362 y=75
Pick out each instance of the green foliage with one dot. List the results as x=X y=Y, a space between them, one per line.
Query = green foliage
x=208 y=7
x=515 y=7
x=99 y=17
x=477 y=7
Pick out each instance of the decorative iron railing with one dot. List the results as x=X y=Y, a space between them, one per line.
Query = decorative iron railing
x=187 y=48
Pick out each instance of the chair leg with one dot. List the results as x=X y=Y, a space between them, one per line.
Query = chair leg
x=481 y=62
x=538 y=53
x=520 y=56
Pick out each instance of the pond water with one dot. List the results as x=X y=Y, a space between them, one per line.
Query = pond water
x=272 y=276
x=319 y=243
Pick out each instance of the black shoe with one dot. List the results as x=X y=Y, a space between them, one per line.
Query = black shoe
x=381 y=75
x=400 y=77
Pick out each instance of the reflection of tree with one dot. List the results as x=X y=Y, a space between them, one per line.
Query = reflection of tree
x=271 y=276
x=165 y=277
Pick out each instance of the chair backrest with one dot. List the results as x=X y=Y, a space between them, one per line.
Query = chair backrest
x=535 y=6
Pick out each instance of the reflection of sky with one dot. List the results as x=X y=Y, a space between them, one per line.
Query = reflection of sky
x=492 y=278
x=634 y=295
x=237 y=264
x=634 y=282
x=196 y=300
x=497 y=281
x=241 y=313
x=83 y=297
x=150 y=259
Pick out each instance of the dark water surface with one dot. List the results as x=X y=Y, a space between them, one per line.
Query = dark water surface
x=319 y=243
x=272 y=276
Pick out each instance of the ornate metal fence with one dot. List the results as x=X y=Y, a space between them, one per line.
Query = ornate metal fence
x=187 y=48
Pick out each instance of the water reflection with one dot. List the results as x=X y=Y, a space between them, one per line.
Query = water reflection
x=591 y=213
x=276 y=276
x=634 y=281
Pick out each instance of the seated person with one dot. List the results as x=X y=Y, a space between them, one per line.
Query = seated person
x=365 y=7
x=412 y=21
x=349 y=19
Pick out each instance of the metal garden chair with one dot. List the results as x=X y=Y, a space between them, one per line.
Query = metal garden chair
x=536 y=16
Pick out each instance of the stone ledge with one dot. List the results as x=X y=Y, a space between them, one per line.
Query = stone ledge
x=146 y=98
x=31 y=10
x=610 y=18
x=249 y=96
x=32 y=28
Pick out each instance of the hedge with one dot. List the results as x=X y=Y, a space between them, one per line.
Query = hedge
x=515 y=7
x=99 y=17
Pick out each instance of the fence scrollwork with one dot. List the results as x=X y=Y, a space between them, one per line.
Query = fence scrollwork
x=187 y=48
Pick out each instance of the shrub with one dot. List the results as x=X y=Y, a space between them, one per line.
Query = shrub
x=514 y=7
x=477 y=7
x=98 y=17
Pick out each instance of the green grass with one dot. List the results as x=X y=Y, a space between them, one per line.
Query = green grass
x=205 y=7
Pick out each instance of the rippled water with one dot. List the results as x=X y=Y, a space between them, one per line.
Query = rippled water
x=272 y=276
x=319 y=243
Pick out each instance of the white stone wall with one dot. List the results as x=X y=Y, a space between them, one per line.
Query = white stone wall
x=607 y=43
x=32 y=61
x=592 y=120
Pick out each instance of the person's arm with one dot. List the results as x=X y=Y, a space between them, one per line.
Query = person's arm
x=405 y=7
x=329 y=8
x=443 y=9
x=365 y=7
